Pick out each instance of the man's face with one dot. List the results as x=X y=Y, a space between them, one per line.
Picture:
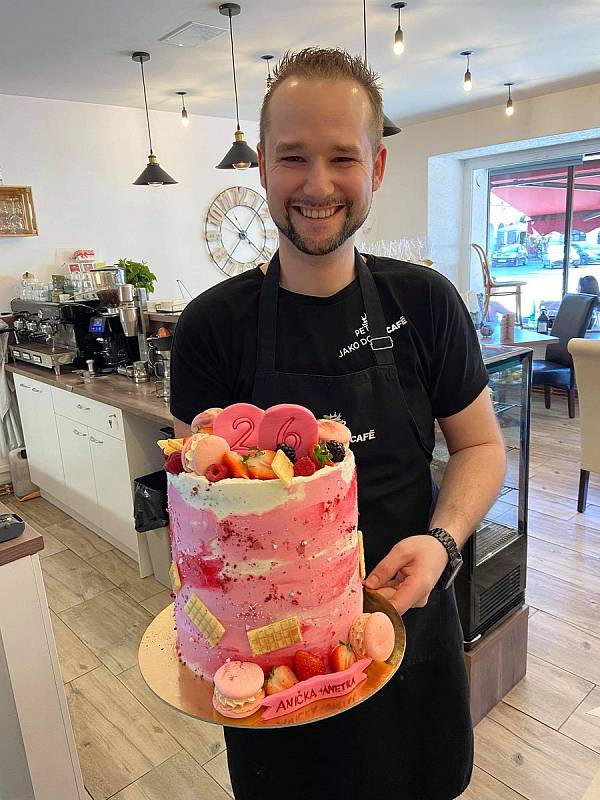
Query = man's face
x=319 y=161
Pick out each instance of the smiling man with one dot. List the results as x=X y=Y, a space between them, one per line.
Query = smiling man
x=388 y=346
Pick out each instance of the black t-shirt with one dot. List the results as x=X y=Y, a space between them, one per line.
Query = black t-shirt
x=436 y=349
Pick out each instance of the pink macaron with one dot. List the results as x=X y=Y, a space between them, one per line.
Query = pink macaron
x=202 y=450
x=331 y=431
x=373 y=636
x=205 y=419
x=238 y=689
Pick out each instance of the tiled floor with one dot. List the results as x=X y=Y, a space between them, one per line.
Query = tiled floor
x=539 y=743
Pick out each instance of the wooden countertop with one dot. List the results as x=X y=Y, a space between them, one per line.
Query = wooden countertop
x=28 y=543
x=115 y=390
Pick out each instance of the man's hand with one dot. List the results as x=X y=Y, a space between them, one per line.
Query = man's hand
x=409 y=572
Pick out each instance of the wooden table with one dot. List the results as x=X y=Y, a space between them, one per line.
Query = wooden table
x=524 y=337
x=38 y=757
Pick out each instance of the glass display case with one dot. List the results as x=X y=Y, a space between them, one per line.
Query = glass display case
x=491 y=583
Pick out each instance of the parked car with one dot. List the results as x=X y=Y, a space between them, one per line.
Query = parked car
x=553 y=257
x=588 y=253
x=511 y=255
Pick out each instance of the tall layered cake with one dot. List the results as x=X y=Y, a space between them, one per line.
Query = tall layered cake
x=267 y=558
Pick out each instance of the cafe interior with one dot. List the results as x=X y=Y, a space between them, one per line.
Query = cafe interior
x=128 y=186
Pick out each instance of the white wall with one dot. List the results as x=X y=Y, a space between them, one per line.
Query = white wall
x=81 y=160
x=422 y=193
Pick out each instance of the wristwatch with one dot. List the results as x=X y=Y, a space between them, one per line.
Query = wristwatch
x=455 y=561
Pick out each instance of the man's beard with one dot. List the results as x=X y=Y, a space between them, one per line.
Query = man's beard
x=352 y=223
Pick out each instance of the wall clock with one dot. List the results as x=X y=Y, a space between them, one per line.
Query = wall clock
x=239 y=231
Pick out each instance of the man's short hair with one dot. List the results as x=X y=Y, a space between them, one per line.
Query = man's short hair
x=315 y=63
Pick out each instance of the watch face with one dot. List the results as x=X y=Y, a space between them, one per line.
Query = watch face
x=239 y=231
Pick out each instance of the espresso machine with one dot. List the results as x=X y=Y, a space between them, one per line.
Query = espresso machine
x=102 y=336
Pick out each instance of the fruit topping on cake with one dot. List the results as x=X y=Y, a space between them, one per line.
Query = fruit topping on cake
x=341 y=657
x=280 y=678
x=216 y=472
x=259 y=464
x=173 y=464
x=283 y=467
x=304 y=467
x=307 y=665
x=235 y=464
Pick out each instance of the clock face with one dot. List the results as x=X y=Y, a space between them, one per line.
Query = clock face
x=239 y=231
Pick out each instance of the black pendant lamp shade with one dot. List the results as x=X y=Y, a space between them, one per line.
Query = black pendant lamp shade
x=153 y=175
x=389 y=128
x=240 y=155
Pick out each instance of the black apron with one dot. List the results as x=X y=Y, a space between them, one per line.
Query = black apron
x=413 y=739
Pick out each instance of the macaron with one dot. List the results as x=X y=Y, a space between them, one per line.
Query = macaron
x=205 y=419
x=373 y=636
x=330 y=430
x=201 y=451
x=238 y=689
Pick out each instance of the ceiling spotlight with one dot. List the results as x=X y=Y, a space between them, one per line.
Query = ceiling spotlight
x=185 y=120
x=239 y=155
x=399 y=36
x=269 y=79
x=509 y=103
x=468 y=81
x=153 y=175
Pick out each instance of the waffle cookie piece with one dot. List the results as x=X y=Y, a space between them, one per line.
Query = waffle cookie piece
x=361 y=557
x=275 y=636
x=175 y=577
x=206 y=622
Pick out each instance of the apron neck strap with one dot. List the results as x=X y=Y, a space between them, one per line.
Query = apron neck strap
x=381 y=343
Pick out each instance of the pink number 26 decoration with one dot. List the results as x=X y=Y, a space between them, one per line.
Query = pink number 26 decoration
x=239 y=425
x=289 y=424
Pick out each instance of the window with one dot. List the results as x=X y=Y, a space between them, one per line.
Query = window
x=544 y=229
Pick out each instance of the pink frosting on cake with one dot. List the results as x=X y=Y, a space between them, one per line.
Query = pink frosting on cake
x=256 y=551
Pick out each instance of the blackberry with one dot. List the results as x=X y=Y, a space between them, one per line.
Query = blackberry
x=288 y=451
x=337 y=450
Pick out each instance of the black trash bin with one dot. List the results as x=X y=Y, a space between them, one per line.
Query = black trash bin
x=152 y=517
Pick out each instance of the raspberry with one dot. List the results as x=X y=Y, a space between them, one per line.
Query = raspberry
x=173 y=463
x=337 y=450
x=216 y=472
x=304 y=467
x=288 y=450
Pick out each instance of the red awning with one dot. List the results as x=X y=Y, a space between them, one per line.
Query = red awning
x=542 y=194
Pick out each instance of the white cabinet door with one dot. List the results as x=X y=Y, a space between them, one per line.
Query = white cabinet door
x=77 y=464
x=113 y=487
x=41 y=437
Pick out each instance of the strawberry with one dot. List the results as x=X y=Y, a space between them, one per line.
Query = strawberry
x=235 y=464
x=216 y=472
x=307 y=665
x=173 y=463
x=259 y=465
x=280 y=678
x=304 y=467
x=341 y=657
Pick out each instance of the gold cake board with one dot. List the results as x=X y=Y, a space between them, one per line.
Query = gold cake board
x=182 y=689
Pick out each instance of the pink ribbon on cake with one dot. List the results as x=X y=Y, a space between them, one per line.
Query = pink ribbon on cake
x=320 y=687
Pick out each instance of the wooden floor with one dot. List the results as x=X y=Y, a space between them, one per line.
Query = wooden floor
x=540 y=743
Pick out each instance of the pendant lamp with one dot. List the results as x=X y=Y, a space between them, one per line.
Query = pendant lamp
x=389 y=127
x=468 y=79
x=269 y=80
x=153 y=175
x=399 y=35
x=240 y=155
x=185 y=120
x=509 y=103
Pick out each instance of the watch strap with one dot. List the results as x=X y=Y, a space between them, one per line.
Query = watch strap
x=454 y=557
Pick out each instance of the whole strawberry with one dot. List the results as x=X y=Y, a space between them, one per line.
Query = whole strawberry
x=173 y=463
x=307 y=665
x=341 y=657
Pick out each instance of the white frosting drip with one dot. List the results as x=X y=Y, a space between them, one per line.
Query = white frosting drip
x=243 y=496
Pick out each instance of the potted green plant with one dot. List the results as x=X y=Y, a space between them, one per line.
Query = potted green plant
x=138 y=273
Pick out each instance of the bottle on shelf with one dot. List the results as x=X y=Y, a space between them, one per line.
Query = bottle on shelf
x=542 y=321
